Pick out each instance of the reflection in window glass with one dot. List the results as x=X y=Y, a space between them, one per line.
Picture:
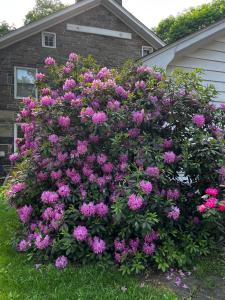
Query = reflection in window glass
x=25 y=82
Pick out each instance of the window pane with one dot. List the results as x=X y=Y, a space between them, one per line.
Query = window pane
x=26 y=76
x=25 y=90
x=49 y=39
x=25 y=80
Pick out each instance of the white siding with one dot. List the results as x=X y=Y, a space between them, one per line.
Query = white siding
x=211 y=59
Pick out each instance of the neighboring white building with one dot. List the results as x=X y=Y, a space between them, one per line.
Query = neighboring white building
x=204 y=49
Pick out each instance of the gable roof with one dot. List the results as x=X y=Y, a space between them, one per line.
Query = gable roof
x=165 y=55
x=76 y=9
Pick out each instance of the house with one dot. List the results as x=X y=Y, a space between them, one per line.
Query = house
x=204 y=49
x=103 y=28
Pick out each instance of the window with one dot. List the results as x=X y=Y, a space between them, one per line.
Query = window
x=49 y=39
x=18 y=133
x=146 y=50
x=24 y=82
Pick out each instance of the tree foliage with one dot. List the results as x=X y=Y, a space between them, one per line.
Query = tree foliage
x=5 y=28
x=173 y=28
x=42 y=9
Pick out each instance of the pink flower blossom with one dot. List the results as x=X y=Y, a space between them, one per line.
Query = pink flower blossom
x=82 y=147
x=202 y=208
x=173 y=194
x=73 y=57
x=169 y=157
x=121 y=92
x=88 y=210
x=61 y=262
x=134 y=244
x=138 y=116
x=101 y=209
x=47 y=101
x=53 y=138
x=14 y=157
x=146 y=187
x=168 y=143
x=135 y=202
x=48 y=214
x=49 y=61
x=49 y=197
x=69 y=84
x=211 y=203
x=152 y=171
x=64 y=121
x=212 y=192
x=174 y=213
x=25 y=213
x=107 y=168
x=113 y=105
x=198 y=120
x=55 y=175
x=23 y=245
x=64 y=191
x=221 y=206
x=101 y=158
x=74 y=175
x=99 y=117
x=103 y=73
x=80 y=233
x=149 y=249
x=140 y=85
x=134 y=132
x=69 y=96
x=18 y=187
x=119 y=245
x=88 y=77
x=42 y=243
x=98 y=245
x=40 y=76
x=144 y=69
x=152 y=236
x=62 y=157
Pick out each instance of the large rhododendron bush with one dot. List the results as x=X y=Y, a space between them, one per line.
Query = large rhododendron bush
x=113 y=166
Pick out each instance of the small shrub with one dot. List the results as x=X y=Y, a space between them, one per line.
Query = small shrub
x=112 y=166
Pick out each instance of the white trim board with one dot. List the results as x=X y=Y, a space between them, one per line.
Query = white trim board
x=99 y=31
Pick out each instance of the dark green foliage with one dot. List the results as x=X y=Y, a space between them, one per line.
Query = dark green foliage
x=42 y=9
x=5 y=28
x=191 y=20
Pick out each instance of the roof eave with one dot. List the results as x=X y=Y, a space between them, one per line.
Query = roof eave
x=49 y=21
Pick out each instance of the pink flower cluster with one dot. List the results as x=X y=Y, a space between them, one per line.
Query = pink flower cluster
x=61 y=262
x=211 y=202
x=199 y=120
x=25 y=213
x=174 y=213
x=146 y=187
x=91 y=209
x=169 y=157
x=134 y=202
x=48 y=197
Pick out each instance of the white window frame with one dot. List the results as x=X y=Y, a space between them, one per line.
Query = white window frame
x=15 y=81
x=43 y=39
x=15 y=135
x=146 y=48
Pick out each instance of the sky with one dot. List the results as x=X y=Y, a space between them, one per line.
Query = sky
x=150 y=12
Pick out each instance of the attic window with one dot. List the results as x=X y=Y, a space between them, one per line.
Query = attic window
x=146 y=50
x=49 y=39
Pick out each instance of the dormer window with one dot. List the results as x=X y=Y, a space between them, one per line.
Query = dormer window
x=146 y=50
x=48 y=39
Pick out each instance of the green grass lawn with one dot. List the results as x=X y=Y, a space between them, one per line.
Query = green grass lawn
x=19 y=278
